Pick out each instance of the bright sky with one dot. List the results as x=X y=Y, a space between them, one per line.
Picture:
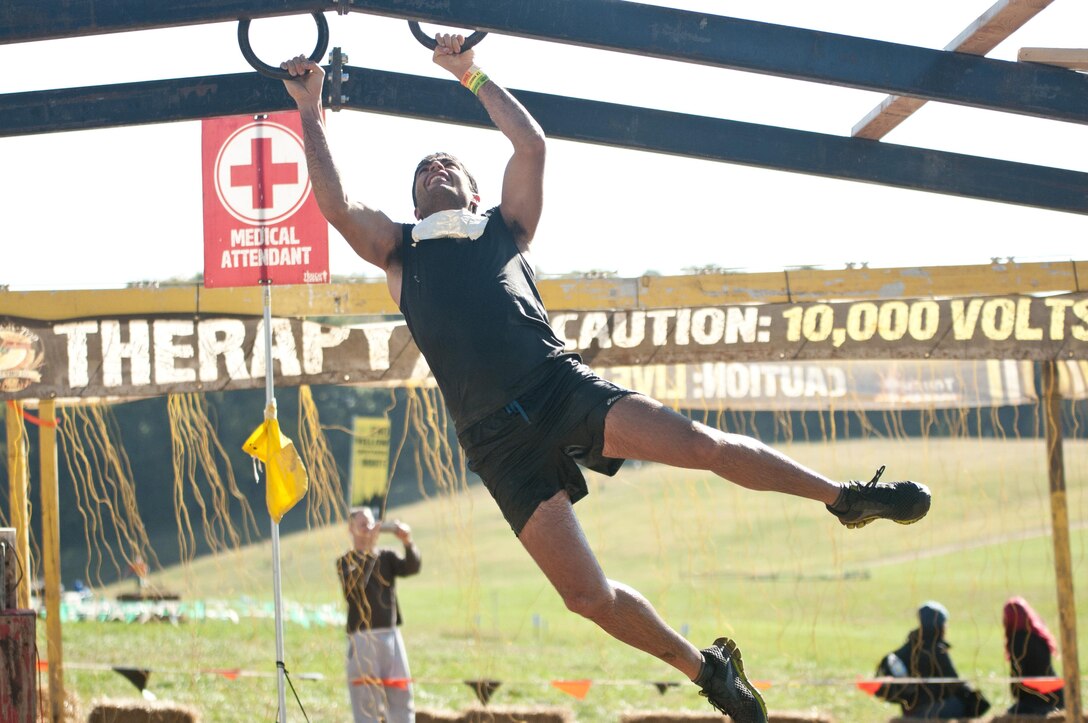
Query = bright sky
x=105 y=207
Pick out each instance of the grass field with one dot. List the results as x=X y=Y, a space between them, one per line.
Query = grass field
x=813 y=605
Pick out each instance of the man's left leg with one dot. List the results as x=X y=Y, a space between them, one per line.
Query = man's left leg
x=555 y=541
x=398 y=687
x=638 y=427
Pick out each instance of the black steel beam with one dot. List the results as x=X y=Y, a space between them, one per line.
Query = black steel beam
x=561 y=117
x=822 y=57
x=25 y=20
x=156 y=101
x=778 y=50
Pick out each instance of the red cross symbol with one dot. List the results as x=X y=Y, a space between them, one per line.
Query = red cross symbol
x=263 y=176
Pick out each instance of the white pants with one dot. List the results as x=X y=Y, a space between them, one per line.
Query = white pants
x=375 y=656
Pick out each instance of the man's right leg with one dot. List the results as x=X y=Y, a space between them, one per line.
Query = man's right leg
x=555 y=540
x=364 y=688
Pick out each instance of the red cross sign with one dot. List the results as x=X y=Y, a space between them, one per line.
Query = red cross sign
x=261 y=220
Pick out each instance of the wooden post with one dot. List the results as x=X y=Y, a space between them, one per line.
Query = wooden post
x=18 y=689
x=18 y=499
x=47 y=441
x=1063 y=565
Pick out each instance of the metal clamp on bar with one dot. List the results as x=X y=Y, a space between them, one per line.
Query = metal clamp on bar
x=4 y=576
x=431 y=43
x=337 y=76
x=272 y=71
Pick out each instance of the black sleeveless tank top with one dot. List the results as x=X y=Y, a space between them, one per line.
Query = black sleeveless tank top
x=476 y=315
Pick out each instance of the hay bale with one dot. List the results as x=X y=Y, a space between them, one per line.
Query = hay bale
x=1058 y=717
x=137 y=710
x=794 y=716
x=437 y=716
x=517 y=714
x=71 y=712
x=687 y=716
x=670 y=716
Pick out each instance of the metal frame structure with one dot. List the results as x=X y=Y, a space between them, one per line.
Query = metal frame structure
x=961 y=78
x=900 y=70
x=983 y=35
x=629 y=27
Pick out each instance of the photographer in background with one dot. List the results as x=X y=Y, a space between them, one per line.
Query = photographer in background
x=925 y=656
x=379 y=682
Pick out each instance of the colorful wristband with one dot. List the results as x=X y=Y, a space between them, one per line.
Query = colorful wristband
x=474 y=79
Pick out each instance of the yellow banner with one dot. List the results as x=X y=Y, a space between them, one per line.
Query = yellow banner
x=369 y=459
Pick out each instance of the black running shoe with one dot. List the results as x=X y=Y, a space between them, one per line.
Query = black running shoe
x=724 y=685
x=859 y=504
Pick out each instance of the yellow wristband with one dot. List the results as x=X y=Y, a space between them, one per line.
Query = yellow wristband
x=474 y=79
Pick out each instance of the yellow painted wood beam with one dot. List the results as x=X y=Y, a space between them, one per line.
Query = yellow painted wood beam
x=368 y=298
x=360 y=298
x=50 y=500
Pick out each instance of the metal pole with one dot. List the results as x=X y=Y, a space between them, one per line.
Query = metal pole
x=18 y=501
x=47 y=444
x=1063 y=565
x=270 y=404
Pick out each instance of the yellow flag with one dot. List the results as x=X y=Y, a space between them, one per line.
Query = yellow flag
x=286 y=476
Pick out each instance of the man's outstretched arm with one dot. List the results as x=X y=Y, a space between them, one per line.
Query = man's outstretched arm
x=369 y=232
x=523 y=182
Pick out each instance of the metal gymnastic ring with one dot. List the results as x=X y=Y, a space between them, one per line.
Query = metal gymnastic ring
x=273 y=71
x=430 y=43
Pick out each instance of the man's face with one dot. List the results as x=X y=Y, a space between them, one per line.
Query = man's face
x=442 y=184
x=364 y=530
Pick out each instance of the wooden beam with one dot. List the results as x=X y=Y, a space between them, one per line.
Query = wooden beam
x=1071 y=58
x=50 y=501
x=995 y=25
x=371 y=298
x=980 y=37
x=18 y=499
x=361 y=298
x=1063 y=558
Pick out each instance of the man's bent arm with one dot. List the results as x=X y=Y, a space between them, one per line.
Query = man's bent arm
x=369 y=232
x=523 y=182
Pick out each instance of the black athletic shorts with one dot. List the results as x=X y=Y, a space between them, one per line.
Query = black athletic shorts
x=528 y=451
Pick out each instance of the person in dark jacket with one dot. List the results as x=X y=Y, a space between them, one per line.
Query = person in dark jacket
x=379 y=682
x=925 y=656
x=1029 y=647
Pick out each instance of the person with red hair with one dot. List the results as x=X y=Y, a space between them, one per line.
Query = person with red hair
x=1029 y=647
